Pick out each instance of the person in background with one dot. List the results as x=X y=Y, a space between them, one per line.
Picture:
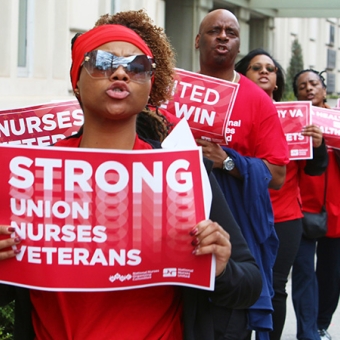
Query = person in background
x=260 y=67
x=117 y=68
x=254 y=159
x=315 y=297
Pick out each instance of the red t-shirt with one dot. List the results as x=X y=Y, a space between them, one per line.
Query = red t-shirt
x=312 y=194
x=286 y=202
x=147 y=313
x=254 y=128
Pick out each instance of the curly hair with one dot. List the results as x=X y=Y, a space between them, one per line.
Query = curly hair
x=159 y=45
x=243 y=64
x=151 y=124
x=319 y=74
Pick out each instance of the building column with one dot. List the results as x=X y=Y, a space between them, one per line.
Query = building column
x=243 y=17
x=182 y=19
x=262 y=34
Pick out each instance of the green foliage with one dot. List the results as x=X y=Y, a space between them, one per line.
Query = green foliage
x=295 y=66
x=7 y=322
x=4 y=335
x=288 y=96
x=332 y=96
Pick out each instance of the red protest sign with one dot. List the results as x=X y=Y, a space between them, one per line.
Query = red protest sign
x=102 y=220
x=205 y=102
x=329 y=122
x=293 y=117
x=41 y=124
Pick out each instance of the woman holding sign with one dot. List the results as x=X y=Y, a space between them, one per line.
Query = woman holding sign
x=316 y=297
x=117 y=68
x=260 y=67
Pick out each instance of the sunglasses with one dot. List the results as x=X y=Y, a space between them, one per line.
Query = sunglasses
x=259 y=67
x=101 y=64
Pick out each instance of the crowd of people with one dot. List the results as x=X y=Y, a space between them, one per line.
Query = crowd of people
x=268 y=75
x=122 y=70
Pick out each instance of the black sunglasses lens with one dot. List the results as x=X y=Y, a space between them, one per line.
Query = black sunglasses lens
x=97 y=63
x=256 y=68
x=259 y=67
x=139 y=64
x=270 y=68
x=102 y=64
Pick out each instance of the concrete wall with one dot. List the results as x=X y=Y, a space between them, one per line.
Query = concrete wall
x=53 y=24
x=313 y=35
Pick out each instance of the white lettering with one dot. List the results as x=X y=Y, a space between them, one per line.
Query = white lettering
x=77 y=171
x=109 y=166
x=153 y=181
x=28 y=177
x=185 y=182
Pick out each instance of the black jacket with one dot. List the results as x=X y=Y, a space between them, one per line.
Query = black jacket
x=318 y=164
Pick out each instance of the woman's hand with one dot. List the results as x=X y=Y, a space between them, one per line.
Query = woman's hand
x=5 y=243
x=314 y=132
x=210 y=238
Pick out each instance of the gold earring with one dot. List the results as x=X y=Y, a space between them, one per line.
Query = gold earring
x=276 y=87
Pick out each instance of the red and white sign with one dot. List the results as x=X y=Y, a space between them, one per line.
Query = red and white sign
x=93 y=220
x=41 y=124
x=329 y=122
x=205 y=102
x=294 y=116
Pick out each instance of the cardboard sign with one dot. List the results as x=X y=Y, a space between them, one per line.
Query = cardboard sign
x=329 y=122
x=205 y=102
x=94 y=220
x=293 y=117
x=40 y=125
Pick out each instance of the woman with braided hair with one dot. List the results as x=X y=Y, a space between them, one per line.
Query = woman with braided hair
x=118 y=67
x=314 y=316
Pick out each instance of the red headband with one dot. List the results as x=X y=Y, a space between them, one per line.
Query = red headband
x=98 y=36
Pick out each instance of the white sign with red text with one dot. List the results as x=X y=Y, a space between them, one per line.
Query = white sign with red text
x=93 y=220
x=42 y=124
x=293 y=117
x=205 y=102
x=329 y=122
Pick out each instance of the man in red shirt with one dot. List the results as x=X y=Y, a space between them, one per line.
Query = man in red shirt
x=253 y=159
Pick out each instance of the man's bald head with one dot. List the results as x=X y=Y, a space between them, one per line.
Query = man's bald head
x=217 y=13
x=218 y=42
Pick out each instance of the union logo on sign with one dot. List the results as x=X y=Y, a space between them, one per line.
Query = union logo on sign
x=169 y=272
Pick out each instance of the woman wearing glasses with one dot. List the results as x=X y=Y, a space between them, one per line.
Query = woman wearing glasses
x=260 y=67
x=264 y=71
x=115 y=71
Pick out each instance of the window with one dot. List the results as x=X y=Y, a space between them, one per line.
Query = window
x=331 y=59
x=330 y=82
x=115 y=6
x=331 y=35
x=25 y=38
